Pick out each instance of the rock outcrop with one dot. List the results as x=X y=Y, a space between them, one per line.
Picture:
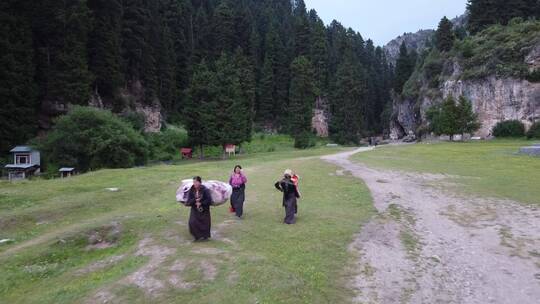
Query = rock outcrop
x=133 y=99
x=493 y=99
x=319 y=121
x=414 y=41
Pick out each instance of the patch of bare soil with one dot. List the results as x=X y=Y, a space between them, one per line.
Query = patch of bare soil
x=144 y=277
x=440 y=246
x=104 y=237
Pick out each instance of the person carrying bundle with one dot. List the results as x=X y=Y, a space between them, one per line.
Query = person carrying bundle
x=200 y=200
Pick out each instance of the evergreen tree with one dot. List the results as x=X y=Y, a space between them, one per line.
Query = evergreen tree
x=69 y=80
x=134 y=42
x=201 y=108
x=301 y=97
x=301 y=30
x=18 y=113
x=443 y=118
x=444 y=37
x=223 y=28
x=245 y=74
x=404 y=67
x=104 y=46
x=467 y=120
x=267 y=103
x=202 y=36
x=483 y=13
x=348 y=100
x=178 y=17
x=319 y=50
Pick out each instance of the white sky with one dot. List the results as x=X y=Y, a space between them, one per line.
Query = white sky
x=383 y=20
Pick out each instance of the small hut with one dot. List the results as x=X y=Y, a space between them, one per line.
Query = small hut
x=67 y=172
x=26 y=162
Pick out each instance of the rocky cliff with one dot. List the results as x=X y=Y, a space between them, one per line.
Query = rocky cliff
x=494 y=99
x=132 y=98
x=418 y=41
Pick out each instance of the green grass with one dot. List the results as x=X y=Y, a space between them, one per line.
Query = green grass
x=273 y=263
x=492 y=168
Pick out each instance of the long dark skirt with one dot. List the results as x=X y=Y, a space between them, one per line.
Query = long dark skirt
x=290 y=210
x=237 y=200
x=199 y=224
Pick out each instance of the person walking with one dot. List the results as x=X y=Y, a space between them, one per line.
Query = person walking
x=200 y=200
x=238 y=182
x=290 y=196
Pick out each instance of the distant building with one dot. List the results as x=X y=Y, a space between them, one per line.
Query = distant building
x=67 y=172
x=26 y=162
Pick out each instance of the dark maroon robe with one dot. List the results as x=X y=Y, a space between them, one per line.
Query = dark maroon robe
x=200 y=220
x=290 y=196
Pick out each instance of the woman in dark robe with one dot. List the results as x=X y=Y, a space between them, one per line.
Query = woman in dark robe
x=238 y=182
x=290 y=196
x=200 y=200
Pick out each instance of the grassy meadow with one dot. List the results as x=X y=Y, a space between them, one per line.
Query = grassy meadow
x=491 y=168
x=76 y=242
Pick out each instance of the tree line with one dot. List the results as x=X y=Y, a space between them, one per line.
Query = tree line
x=266 y=62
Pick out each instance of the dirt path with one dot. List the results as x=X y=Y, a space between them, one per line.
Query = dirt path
x=428 y=245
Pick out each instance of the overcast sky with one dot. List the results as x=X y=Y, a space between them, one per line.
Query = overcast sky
x=383 y=20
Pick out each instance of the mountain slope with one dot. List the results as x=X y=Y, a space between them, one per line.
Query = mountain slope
x=497 y=70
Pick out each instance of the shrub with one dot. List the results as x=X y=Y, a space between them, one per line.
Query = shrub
x=509 y=128
x=88 y=138
x=135 y=119
x=166 y=144
x=534 y=131
x=304 y=140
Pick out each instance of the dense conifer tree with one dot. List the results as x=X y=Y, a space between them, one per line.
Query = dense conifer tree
x=348 y=101
x=301 y=97
x=444 y=37
x=18 y=112
x=404 y=67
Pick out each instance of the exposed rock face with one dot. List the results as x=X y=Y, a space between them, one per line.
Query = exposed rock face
x=414 y=41
x=152 y=117
x=133 y=98
x=418 y=41
x=319 y=121
x=494 y=100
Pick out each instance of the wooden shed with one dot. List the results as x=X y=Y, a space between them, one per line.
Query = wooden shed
x=67 y=172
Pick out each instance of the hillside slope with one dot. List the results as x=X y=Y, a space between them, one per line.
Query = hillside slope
x=497 y=70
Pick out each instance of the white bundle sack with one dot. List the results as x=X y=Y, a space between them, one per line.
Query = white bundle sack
x=220 y=191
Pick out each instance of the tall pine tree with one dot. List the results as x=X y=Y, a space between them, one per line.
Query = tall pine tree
x=301 y=97
x=444 y=37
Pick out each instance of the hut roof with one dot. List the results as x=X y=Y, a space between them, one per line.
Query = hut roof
x=21 y=166
x=21 y=149
x=66 y=169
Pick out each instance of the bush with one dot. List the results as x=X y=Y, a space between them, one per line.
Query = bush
x=135 y=119
x=87 y=138
x=166 y=145
x=509 y=128
x=534 y=131
x=304 y=140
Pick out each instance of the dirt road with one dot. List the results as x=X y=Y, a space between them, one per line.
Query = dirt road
x=429 y=245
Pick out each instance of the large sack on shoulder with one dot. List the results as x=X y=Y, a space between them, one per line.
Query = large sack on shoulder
x=220 y=191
